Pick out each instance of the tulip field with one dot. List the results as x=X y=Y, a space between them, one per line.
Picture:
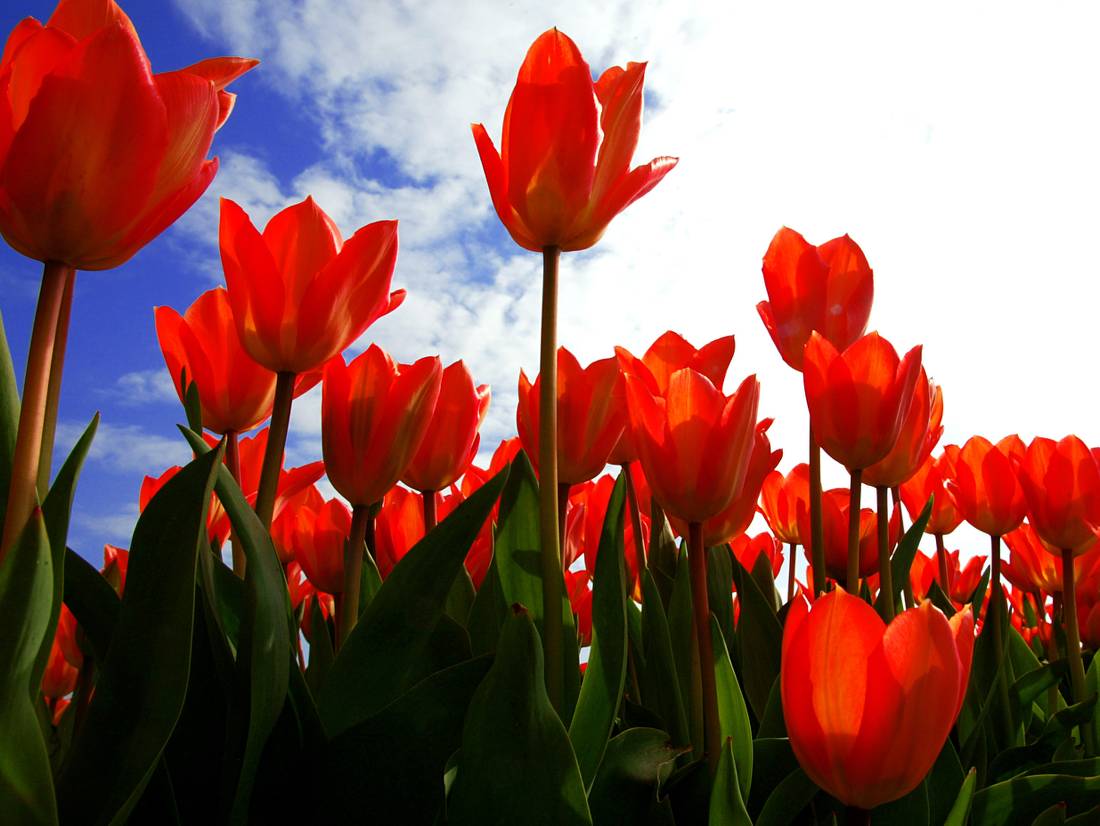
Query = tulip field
x=585 y=628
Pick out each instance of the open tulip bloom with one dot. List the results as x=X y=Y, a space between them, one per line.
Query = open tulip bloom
x=411 y=635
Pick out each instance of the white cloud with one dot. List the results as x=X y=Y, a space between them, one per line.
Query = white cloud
x=125 y=449
x=142 y=387
x=950 y=141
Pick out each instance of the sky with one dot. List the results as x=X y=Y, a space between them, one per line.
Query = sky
x=956 y=143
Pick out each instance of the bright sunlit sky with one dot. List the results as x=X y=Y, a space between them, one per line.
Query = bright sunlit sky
x=956 y=142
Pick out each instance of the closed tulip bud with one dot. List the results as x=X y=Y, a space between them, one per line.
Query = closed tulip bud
x=985 y=485
x=66 y=658
x=563 y=170
x=318 y=538
x=868 y=732
x=1061 y=483
x=920 y=433
x=781 y=498
x=930 y=480
x=374 y=413
x=1036 y=567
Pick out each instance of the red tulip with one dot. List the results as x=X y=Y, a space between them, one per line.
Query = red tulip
x=961 y=581
x=452 y=440
x=374 y=413
x=66 y=658
x=920 y=432
x=591 y=501
x=1036 y=567
x=985 y=486
x=781 y=498
x=858 y=398
x=115 y=562
x=563 y=171
x=748 y=549
x=590 y=416
x=827 y=288
x=579 y=590
x=1061 y=483
x=301 y=294
x=318 y=538
x=931 y=480
x=834 y=512
x=672 y=352
x=98 y=155
x=217 y=523
x=898 y=684
x=694 y=443
x=282 y=526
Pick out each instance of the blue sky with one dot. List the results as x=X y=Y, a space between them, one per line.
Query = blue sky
x=957 y=145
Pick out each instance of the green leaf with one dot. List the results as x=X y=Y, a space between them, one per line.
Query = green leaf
x=765 y=580
x=143 y=680
x=787 y=800
x=9 y=415
x=940 y=599
x=733 y=716
x=683 y=645
x=519 y=566
x=1053 y=816
x=1024 y=798
x=392 y=763
x=624 y=792
x=488 y=613
x=960 y=811
x=720 y=589
x=727 y=806
x=912 y=809
x=605 y=676
x=662 y=691
x=772 y=761
x=92 y=601
x=386 y=653
x=516 y=763
x=902 y=560
x=772 y=724
x=26 y=586
x=943 y=783
x=192 y=406
x=1092 y=686
x=263 y=653
x=55 y=512
x=321 y=654
x=760 y=639
x=460 y=599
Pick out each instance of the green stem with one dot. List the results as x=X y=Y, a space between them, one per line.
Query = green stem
x=941 y=559
x=790 y=572
x=885 y=572
x=1073 y=644
x=53 y=393
x=276 y=444
x=548 y=481
x=233 y=462
x=697 y=560
x=430 y=520
x=852 y=581
x=817 y=526
x=32 y=410
x=353 y=572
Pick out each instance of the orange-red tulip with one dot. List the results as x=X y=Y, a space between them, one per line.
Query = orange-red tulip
x=98 y=155
x=282 y=526
x=854 y=690
x=115 y=562
x=835 y=506
x=931 y=480
x=859 y=397
x=827 y=288
x=563 y=170
x=579 y=590
x=748 y=549
x=781 y=498
x=694 y=443
x=374 y=413
x=300 y=293
x=1061 y=483
x=919 y=435
x=672 y=352
x=590 y=501
x=66 y=658
x=235 y=393
x=590 y=416
x=318 y=538
x=452 y=440
x=1036 y=567
x=985 y=486
x=961 y=580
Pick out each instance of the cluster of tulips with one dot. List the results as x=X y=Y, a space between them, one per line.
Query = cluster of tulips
x=534 y=641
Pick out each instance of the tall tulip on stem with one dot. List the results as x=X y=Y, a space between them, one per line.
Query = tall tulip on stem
x=562 y=173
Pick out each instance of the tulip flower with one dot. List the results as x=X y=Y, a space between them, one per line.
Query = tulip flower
x=451 y=440
x=374 y=414
x=1036 y=567
x=960 y=582
x=747 y=549
x=695 y=445
x=98 y=156
x=592 y=501
x=115 y=562
x=590 y=416
x=985 y=486
x=672 y=352
x=895 y=684
x=282 y=526
x=827 y=289
x=66 y=658
x=562 y=173
x=836 y=516
x=317 y=538
x=921 y=429
x=563 y=170
x=781 y=498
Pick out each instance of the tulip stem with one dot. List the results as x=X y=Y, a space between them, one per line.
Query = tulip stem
x=996 y=610
x=1073 y=644
x=885 y=573
x=817 y=526
x=941 y=559
x=233 y=462
x=907 y=585
x=430 y=520
x=353 y=572
x=548 y=481
x=53 y=393
x=276 y=443
x=790 y=572
x=32 y=411
x=852 y=582
x=697 y=559
x=635 y=520
x=563 y=514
